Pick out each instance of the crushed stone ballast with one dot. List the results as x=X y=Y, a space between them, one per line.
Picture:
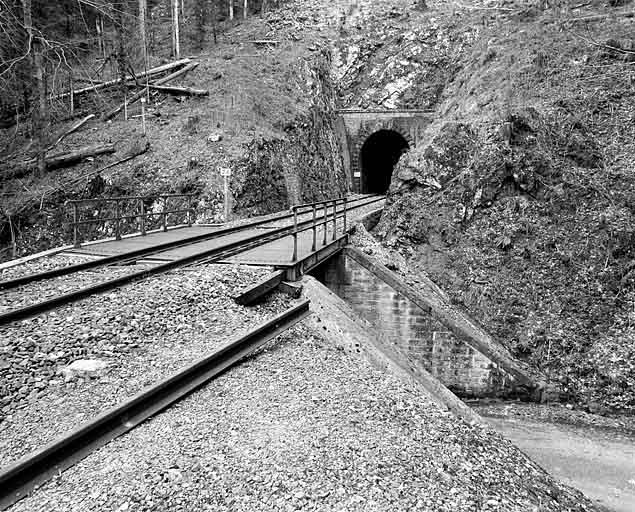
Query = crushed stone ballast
x=209 y=255
x=17 y=480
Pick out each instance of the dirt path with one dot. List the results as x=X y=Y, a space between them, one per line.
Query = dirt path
x=599 y=462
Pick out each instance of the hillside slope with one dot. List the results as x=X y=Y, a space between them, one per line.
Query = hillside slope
x=519 y=200
x=269 y=117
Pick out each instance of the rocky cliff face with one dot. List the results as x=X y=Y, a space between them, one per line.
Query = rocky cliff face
x=518 y=200
x=301 y=164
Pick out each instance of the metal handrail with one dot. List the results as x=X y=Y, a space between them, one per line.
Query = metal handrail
x=318 y=222
x=118 y=217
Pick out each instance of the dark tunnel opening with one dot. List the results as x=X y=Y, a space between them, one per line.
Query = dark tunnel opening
x=379 y=155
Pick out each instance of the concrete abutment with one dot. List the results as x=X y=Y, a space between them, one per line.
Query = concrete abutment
x=447 y=347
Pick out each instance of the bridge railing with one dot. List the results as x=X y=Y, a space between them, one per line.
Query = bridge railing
x=330 y=215
x=117 y=216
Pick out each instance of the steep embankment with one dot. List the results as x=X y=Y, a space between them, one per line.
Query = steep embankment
x=269 y=117
x=518 y=200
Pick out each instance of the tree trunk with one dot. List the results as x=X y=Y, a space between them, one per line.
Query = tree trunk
x=110 y=83
x=164 y=80
x=214 y=21
x=73 y=157
x=142 y=32
x=40 y=107
x=61 y=159
x=42 y=110
x=121 y=48
x=179 y=91
x=245 y=6
x=263 y=7
x=201 y=19
x=99 y=27
x=175 y=29
x=231 y=9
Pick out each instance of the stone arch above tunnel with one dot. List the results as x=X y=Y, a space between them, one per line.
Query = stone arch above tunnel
x=377 y=152
x=359 y=124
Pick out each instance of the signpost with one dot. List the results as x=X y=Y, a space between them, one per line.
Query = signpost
x=226 y=173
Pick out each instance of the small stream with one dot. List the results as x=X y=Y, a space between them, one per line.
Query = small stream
x=596 y=460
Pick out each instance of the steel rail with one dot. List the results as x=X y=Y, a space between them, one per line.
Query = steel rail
x=209 y=255
x=17 y=480
x=138 y=253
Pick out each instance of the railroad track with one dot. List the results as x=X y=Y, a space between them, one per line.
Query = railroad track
x=222 y=251
x=20 y=478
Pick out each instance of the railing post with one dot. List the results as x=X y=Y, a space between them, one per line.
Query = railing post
x=334 y=219
x=189 y=210
x=76 y=242
x=326 y=221
x=313 y=247
x=295 y=233
x=164 y=214
x=117 y=221
x=142 y=216
x=345 y=213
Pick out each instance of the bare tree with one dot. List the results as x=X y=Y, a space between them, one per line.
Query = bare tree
x=142 y=32
x=34 y=49
x=176 y=39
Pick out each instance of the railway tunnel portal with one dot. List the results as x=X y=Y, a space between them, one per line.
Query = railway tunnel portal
x=372 y=141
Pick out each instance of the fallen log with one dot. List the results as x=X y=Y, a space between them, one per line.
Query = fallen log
x=135 y=151
x=179 y=91
x=60 y=160
x=151 y=72
x=72 y=129
x=139 y=95
x=73 y=157
x=600 y=17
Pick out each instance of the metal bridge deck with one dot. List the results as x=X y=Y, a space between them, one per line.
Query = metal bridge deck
x=112 y=247
x=279 y=253
x=275 y=253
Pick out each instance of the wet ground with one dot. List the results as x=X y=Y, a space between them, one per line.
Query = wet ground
x=599 y=461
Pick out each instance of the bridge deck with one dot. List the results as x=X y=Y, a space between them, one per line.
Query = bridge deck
x=279 y=253
x=112 y=247
x=275 y=253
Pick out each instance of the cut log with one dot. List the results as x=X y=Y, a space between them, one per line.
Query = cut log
x=133 y=152
x=600 y=17
x=61 y=159
x=151 y=72
x=73 y=157
x=139 y=95
x=179 y=91
x=72 y=129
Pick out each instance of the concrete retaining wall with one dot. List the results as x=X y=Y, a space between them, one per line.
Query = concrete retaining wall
x=426 y=330
x=338 y=322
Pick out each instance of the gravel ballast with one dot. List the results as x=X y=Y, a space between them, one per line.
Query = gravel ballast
x=144 y=332
x=304 y=426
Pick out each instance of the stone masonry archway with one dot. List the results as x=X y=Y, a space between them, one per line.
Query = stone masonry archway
x=406 y=127
x=378 y=156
